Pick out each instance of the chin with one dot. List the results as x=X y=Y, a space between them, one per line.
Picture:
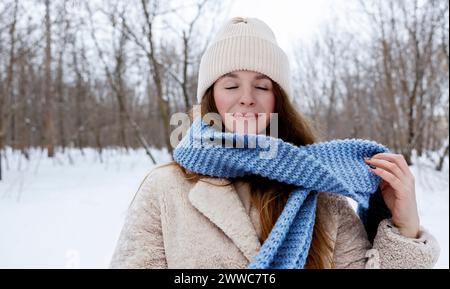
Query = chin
x=246 y=131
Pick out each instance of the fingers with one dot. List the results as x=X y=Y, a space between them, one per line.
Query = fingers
x=395 y=182
x=398 y=159
x=393 y=168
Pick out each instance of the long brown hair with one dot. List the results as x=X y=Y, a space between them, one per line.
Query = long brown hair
x=268 y=196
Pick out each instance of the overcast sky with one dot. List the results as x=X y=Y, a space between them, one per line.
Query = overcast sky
x=291 y=20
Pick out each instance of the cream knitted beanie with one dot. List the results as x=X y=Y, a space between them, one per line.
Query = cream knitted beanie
x=244 y=44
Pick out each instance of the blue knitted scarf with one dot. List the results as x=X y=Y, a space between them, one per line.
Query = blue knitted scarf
x=335 y=166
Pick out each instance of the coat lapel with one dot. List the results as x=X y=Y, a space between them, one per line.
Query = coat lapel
x=221 y=204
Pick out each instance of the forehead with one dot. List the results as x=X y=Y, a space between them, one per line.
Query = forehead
x=235 y=75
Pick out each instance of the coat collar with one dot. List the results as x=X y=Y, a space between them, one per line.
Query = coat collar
x=218 y=200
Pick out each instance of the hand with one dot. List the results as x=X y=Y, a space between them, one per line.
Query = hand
x=398 y=190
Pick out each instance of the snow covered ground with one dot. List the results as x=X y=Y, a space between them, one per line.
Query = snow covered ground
x=67 y=212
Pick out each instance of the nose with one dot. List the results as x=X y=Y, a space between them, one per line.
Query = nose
x=247 y=99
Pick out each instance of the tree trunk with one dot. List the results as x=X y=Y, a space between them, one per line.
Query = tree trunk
x=4 y=114
x=48 y=109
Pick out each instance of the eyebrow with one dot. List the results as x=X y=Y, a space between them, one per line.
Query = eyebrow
x=233 y=75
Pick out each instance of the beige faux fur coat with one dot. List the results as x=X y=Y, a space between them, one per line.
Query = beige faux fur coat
x=176 y=223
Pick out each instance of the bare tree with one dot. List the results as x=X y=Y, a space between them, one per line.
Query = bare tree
x=391 y=86
x=49 y=125
x=187 y=36
x=117 y=86
x=64 y=23
x=8 y=89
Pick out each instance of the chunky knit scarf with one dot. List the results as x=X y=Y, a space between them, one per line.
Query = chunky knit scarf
x=335 y=166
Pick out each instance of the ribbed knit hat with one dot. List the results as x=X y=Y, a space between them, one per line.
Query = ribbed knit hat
x=244 y=44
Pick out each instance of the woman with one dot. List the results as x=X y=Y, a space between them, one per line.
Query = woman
x=184 y=219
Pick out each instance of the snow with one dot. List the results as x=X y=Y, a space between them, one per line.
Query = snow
x=63 y=214
x=432 y=189
x=67 y=212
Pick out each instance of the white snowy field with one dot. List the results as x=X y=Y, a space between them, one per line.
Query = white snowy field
x=67 y=212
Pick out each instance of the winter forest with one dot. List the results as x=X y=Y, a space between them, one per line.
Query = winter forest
x=87 y=90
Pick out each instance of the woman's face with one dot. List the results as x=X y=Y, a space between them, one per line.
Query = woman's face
x=240 y=96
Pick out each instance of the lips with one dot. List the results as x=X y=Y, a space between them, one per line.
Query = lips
x=245 y=115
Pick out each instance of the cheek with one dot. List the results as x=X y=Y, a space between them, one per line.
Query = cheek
x=268 y=103
x=223 y=102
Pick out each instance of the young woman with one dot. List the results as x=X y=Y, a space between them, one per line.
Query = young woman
x=183 y=219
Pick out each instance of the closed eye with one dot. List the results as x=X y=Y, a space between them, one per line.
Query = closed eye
x=234 y=87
